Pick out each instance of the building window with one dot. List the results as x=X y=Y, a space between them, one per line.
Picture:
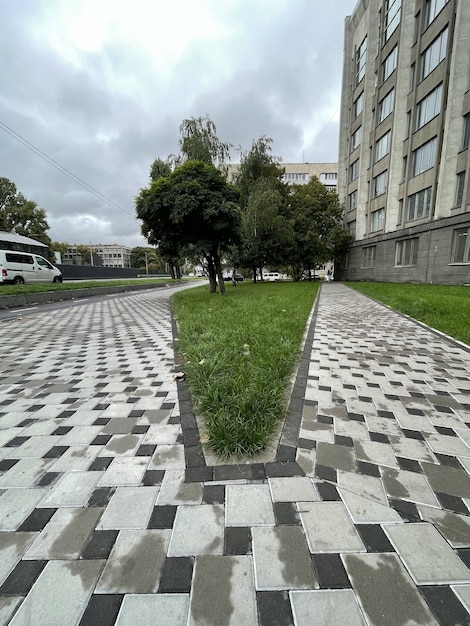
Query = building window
x=406 y=251
x=368 y=257
x=380 y=184
x=354 y=170
x=351 y=226
x=404 y=164
x=386 y=105
x=392 y=17
x=419 y=204
x=361 y=54
x=459 y=189
x=434 y=54
x=356 y=139
x=461 y=246
x=466 y=132
x=352 y=201
x=432 y=9
x=390 y=64
x=377 y=220
x=429 y=107
x=424 y=157
x=358 y=106
x=382 y=146
x=330 y=176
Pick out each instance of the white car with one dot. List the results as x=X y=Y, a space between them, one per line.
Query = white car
x=19 y=268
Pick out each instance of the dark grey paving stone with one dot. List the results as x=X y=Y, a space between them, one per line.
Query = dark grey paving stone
x=100 y=440
x=153 y=477
x=374 y=538
x=100 y=496
x=62 y=430
x=199 y=474
x=325 y=419
x=146 y=450
x=101 y=421
x=286 y=514
x=452 y=503
x=464 y=554
x=307 y=444
x=445 y=605
x=36 y=520
x=342 y=440
x=48 y=478
x=140 y=429
x=274 y=608
x=259 y=471
x=6 y=464
x=102 y=609
x=378 y=437
x=162 y=516
x=326 y=473
x=410 y=465
x=16 y=442
x=413 y=434
x=232 y=472
x=357 y=417
x=176 y=575
x=449 y=461
x=237 y=540
x=368 y=469
x=407 y=510
x=328 y=492
x=445 y=431
x=331 y=572
x=55 y=452
x=286 y=454
x=65 y=415
x=100 y=464
x=213 y=494
x=100 y=545
x=194 y=456
x=22 y=578
x=388 y=414
x=283 y=470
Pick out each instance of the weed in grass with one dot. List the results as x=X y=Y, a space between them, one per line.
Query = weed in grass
x=239 y=354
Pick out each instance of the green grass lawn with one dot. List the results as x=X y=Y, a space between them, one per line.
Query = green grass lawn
x=443 y=307
x=239 y=352
x=12 y=290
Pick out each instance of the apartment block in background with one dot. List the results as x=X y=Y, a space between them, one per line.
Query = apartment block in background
x=301 y=173
x=404 y=160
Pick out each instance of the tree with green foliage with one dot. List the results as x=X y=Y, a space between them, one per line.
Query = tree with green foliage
x=194 y=208
x=315 y=219
x=199 y=142
x=159 y=169
x=147 y=260
x=22 y=216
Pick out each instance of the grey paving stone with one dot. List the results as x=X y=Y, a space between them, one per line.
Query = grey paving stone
x=75 y=579
x=365 y=499
x=282 y=559
x=65 y=534
x=375 y=452
x=130 y=507
x=454 y=527
x=448 y=480
x=12 y=548
x=25 y=473
x=332 y=607
x=16 y=505
x=135 y=562
x=124 y=471
x=223 y=591
x=426 y=555
x=408 y=486
x=171 y=609
x=72 y=489
x=248 y=505
x=168 y=457
x=8 y=606
x=293 y=489
x=76 y=459
x=206 y=535
x=329 y=528
x=375 y=579
x=174 y=490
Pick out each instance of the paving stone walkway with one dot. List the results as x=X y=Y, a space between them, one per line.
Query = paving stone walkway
x=110 y=514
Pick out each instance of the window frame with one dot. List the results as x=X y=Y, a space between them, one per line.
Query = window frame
x=390 y=25
x=426 y=57
x=406 y=252
x=379 y=144
x=382 y=111
x=459 y=188
x=424 y=157
x=432 y=9
x=413 y=208
x=393 y=59
x=356 y=139
x=457 y=248
x=429 y=107
x=360 y=65
x=377 y=220
x=381 y=179
x=368 y=257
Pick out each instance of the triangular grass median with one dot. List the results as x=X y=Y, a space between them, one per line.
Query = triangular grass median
x=239 y=352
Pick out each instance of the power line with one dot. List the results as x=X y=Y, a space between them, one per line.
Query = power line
x=63 y=169
x=321 y=130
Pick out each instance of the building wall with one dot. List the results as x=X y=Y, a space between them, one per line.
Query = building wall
x=302 y=173
x=384 y=217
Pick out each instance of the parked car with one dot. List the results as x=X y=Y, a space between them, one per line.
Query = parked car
x=238 y=277
x=272 y=276
x=19 y=268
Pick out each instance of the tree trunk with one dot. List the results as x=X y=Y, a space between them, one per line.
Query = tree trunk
x=172 y=271
x=212 y=274
x=254 y=274
x=218 y=267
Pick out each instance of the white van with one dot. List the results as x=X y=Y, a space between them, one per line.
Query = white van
x=19 y=268
x=272 y=276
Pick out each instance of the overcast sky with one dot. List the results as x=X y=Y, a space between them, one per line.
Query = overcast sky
x=101 y=87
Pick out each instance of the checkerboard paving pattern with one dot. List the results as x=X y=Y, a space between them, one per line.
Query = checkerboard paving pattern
x=105 y=493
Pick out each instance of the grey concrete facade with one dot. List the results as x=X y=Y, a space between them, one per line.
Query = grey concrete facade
x=404 y=141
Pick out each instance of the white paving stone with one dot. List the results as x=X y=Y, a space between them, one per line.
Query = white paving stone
x=174 y=489
x=365 y=499
x=130 y=507
x=124 y=471
x=330 y=607
x=329 y=528
x=248 y=505
x=293 y=489
x=172 y=609
x=73 y=489
x=198 y=531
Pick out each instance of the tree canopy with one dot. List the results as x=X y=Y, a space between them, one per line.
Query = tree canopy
x=21 y=215
x=193 y=208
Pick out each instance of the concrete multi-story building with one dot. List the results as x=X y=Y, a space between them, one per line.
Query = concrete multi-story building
x=302 y=173
x=106 y=255
x=404 y=141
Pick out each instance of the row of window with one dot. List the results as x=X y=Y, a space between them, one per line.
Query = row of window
x=406 y=251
